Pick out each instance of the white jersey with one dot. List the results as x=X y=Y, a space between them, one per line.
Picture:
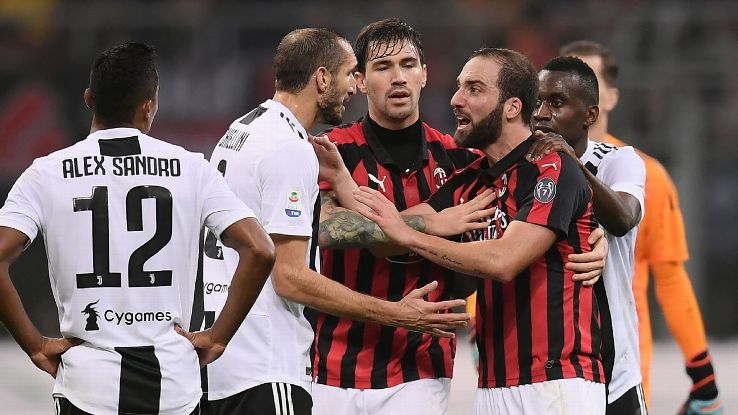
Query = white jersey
x=623 y=171
x=268 y=162
x=121 y=214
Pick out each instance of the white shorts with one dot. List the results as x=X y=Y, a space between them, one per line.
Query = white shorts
x=554 y=397
x=423 y=396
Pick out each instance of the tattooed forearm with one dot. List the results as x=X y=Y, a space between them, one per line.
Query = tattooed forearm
x=344 y=229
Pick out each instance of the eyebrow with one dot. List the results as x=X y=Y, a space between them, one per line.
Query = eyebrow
x=470 y=82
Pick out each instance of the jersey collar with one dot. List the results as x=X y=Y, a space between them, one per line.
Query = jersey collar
x=111 y=133
x=491 y=172
x=380 y=152
x=285 y=113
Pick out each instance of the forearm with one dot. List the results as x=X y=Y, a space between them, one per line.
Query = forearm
x=249 y=278
x=679 y=305
x=471 y=258
x=14 y=316
x=609 y=208
x=345 y=229
x=304 y=286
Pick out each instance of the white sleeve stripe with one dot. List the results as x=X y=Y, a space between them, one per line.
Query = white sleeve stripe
x=289 y=400
x=276 y=399
x=283 y=394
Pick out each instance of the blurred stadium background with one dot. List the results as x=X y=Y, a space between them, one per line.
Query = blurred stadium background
x=679 y=101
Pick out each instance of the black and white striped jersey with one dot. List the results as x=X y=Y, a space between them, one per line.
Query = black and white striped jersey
x=121 y=214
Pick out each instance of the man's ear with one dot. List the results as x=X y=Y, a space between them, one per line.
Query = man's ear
x=89 y=101
x=592 y=113
x=148 y=108
x=512 y=108
x=322 y=79
x=360 y=81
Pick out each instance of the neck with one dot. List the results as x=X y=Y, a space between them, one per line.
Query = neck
x=598 y=130
x=511 y=137
x=393 y=123
x=302 y=105
x=580 y=145
x=98 y=125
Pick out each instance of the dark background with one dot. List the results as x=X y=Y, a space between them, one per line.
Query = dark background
x=679 y=90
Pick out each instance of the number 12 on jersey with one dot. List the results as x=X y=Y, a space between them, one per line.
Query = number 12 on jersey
x=101 y=275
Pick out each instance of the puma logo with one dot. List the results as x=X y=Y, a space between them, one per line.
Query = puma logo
x=551 y=164
x=377 y=181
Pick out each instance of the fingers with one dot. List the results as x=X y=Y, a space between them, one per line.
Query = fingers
x=588 y=278
x=449 y=304
x=424 y=290
x=584 y=262
x=595 y=236
x=182 y=332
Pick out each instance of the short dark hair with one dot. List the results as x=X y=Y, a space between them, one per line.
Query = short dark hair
x=121 y=78
x=610 y=68
x=393 y=33
x=575 y=66
x=517 y=77
x=301 y=52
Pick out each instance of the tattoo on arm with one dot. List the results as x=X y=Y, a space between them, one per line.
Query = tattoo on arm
x=345 y=229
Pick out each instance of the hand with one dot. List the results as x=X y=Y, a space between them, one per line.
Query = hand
x=378 y=209
x=48 y=357
x=548 y=143
x=206 y=347
x=416 y=314
x=589 y=265
x=329 y=159
x=469 y=216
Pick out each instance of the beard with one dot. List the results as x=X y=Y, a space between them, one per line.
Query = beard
x=486 y=132
x=329 y=107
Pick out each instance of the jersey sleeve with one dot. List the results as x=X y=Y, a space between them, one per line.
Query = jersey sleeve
x=288 y=194
x=662 y=237
x=23 y=209
x=554 y=193
x=624 y=171
x=221 y=207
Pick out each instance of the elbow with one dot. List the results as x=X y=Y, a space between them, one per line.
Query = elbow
x=620 y=227
x=282 y=281
x=264 y=253
x=498 y=271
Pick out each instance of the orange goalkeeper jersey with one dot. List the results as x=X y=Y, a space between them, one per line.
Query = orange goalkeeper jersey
x=661 y=237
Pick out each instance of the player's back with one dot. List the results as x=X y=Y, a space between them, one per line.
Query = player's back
x=121 y=214
x=267 y=160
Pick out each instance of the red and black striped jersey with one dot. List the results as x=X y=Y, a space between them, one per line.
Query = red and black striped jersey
x=353 y=354
x=542 y=325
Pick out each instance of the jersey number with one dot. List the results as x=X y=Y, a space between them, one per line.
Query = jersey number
x=101 y=275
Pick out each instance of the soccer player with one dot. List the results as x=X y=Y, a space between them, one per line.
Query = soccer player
x=365 y=367
x=120 y=213
x=661 y=247
x=567 y=106
x=268 y=161
x=539 y=333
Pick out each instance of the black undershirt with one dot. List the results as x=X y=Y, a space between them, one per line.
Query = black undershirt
x=403 y=145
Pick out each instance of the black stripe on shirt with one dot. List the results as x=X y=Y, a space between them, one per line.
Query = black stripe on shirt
x=140 y=380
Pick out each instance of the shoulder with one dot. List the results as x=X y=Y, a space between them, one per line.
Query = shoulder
x=559 y=167
x=349 y=133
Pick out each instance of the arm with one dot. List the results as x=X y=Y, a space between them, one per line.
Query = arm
x=618 y=212
x=341 y=228
x=294 y=281
x=255 y=260
x=499 y=259
x=44 y=352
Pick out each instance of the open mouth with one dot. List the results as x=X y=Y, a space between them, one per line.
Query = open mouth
x=462 y=121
